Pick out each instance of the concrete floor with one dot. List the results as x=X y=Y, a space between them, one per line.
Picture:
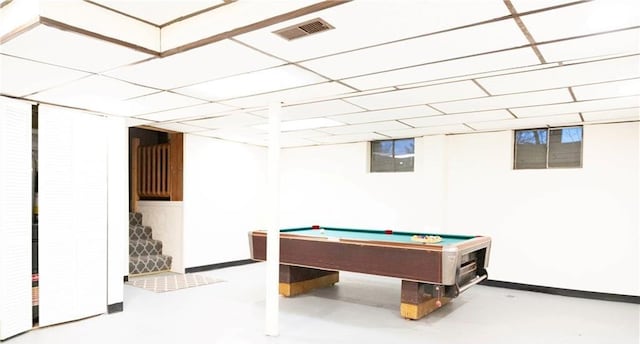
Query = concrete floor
x=360 y=309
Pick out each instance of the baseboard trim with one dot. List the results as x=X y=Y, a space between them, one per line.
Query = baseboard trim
x=564 y=292
x=219 y=265
x=115 y=307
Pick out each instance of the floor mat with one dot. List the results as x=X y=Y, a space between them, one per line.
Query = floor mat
x=161 y=284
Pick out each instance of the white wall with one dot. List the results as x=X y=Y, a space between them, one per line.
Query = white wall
x=331 y=186
x=565 y=228
x=224 y=185
x=165 y=218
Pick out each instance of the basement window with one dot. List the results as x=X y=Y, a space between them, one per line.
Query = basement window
x=548 y=148
x=392 y=155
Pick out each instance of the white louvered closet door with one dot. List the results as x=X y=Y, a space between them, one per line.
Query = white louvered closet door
x=15 y=218
x=72 y=204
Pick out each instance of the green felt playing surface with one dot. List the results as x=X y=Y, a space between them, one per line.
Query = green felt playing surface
x=372 y=235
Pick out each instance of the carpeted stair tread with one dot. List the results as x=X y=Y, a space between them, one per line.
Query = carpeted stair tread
x=150 y=263
x=144 y=247
x=135 y=219
x=140 y=232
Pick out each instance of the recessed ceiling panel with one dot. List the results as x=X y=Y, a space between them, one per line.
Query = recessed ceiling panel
x=608 y=89
x=588 y=105
x=291 y=96
x=361 y=137
x=623 y=42
x=212 y=61
x=69 y=49
x=437 y=47
x=179 y=127
x=318 y=109
x=364 y=23
x=387 y=114
x=160 y=101
x=448 y=69
x=19 y=77
x=506 y=101
x=158 y=12
x=365 y=128
x=422 y=95
x=582 y=19
x=233 y=120
x=438 y=130
x=266 y=80
x=202 y=110
x=431 y=121
x=521 y=123
x=629 y=114
x=96 y=93
x=570 y=75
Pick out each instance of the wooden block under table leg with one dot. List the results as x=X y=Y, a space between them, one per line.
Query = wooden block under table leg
x=418 y=300
x=295 y=280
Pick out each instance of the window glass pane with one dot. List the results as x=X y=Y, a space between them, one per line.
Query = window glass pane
x=565 y=147
x=403 y=151
x=531 y=149
x=382 y=156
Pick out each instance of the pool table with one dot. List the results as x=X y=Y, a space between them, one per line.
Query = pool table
x=432 y=273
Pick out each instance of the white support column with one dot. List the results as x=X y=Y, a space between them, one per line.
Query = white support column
x=273 y=230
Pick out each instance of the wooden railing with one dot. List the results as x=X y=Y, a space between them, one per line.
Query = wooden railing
x=156 y=171
x=153 y=163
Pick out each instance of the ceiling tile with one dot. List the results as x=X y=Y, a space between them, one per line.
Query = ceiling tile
x=570 y=75
x=212 y=61
x=438 y=130
x=422 y=95
x=403 y=19
x=318 y=109
x=96 y=93
x=179 y=127
x=437 y=47
x=19 y=77
x=163 y=11
x=304 y=124
x=365 y=128
x=69 y=49
x=448 y=69
x=623 y=42
x=192 y=112
x=233 y=120
x=530 y=5
x=505 y=101
x=160 y=101
x=291 y=96
x=481 y=75
x=608 y=89
x=571 y=107
x=361 y=137
x=521 y=123
x=491 y=115
x=266 y=80
x=629 y=114
x=387 y=114
x=134 y=122
x=582 y=19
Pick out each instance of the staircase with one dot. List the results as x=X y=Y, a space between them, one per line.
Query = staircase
x=145 y=253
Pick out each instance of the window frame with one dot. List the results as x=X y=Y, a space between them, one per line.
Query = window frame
x=548 y=144
x=370 y=155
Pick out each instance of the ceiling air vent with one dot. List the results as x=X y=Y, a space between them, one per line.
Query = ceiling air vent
x=303 y=29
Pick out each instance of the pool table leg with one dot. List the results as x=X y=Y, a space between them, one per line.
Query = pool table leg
x=420 y=299
x=295 y=280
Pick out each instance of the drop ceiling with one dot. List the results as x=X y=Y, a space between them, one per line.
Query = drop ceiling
x=389 y=69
